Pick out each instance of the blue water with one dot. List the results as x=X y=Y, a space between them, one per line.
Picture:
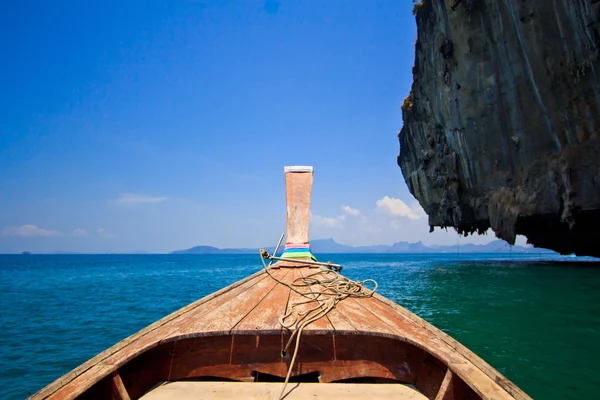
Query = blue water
x=536 y=321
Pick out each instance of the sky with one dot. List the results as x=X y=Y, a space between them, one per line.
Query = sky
x=161 y=125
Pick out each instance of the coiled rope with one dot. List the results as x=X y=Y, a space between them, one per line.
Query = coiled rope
x=331 y=288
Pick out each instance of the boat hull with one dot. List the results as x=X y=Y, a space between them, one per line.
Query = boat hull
x=235 y=335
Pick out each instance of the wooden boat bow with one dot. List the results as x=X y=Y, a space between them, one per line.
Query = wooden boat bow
x=235 y=336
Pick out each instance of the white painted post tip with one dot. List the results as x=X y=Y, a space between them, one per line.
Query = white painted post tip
x=298 y=168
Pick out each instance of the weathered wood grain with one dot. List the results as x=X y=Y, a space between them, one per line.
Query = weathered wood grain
x=428 y=340
x=265 y=316
x=119 y=391
x=446 y=391
x=322 y=324
x=363 y=320
x=145 y=370
x=70 y=376
x=408 y=330
x=480 y=382
x=270 y=391
x=85 y=380
x=256 y=349
x=430 y=373
x=341 y=370
x=237 y=334
x=227 y=314
x=212 y=308
x=494 y=374
x=298 y=188
x=393 y=355
x=191 y=354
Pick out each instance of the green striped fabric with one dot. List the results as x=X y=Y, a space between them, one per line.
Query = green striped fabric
x=298 y=254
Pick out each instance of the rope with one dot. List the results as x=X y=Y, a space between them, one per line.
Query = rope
x=331 y=288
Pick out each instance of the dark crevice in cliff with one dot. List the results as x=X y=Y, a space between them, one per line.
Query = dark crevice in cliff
x=501 y=127
x=546 y=231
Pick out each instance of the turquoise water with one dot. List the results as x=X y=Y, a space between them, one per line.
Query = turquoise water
x=538 y=322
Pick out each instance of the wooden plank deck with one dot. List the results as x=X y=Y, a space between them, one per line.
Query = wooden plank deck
x=270 y=391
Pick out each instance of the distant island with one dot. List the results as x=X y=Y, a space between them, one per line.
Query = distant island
x=329 y=246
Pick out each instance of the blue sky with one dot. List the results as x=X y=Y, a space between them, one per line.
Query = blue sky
x=160 y=125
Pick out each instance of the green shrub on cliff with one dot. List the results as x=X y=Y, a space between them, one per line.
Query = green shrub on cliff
x=408 y=102
x=417 y=6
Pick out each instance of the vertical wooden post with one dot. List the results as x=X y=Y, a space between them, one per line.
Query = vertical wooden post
x=298 y=188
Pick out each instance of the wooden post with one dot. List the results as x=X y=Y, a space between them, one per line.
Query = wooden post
x=298 y=188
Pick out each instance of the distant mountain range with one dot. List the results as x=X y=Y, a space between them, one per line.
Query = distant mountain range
x=328 y=246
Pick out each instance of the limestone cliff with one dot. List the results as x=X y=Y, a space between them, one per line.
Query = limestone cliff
x=502 y=126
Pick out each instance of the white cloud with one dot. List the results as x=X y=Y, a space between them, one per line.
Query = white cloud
x=398 y=224
x=397 y=208
x=101 y=232
x=131 y=199
x=28 y=230
x=370 y=228
x=351 y=211
x=328 y=222
x=80 y=232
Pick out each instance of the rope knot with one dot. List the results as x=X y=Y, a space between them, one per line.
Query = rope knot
x=264 y=253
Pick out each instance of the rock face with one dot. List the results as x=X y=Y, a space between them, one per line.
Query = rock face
x=502 y=126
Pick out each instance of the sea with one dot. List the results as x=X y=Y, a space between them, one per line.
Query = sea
x=535 y=318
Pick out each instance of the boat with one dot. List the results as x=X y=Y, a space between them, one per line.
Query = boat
x=297 y=329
